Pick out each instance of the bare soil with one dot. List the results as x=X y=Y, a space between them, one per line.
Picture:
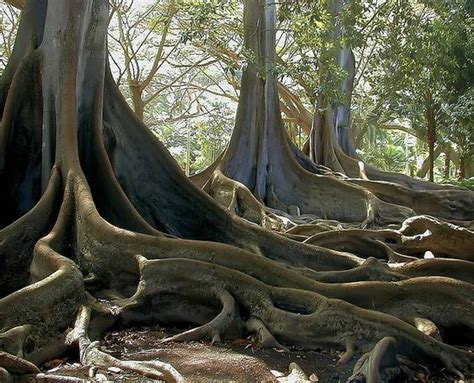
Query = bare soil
x=234 y=361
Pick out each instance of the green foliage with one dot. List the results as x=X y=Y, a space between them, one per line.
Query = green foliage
x=310 y=59
x=201 y=20
x=420 y=48
x=467 y=183
x=404 y=50
x=387 y=150
x=207 y=138
x=415 y=55
x=460 y=126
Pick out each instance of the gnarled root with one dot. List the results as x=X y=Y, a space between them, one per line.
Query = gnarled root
x=219 y=326
x=240 y=201
x=115 y=182
x=423 y=233
x=264 y=337
x=450 y=204
x=355 y=242
x=90 y=354
x=17 y=365
x=295 y=317
x=378 y=366
x=416 y=236
x=406 y=299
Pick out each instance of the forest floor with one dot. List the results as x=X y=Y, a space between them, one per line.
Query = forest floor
x=236 y=361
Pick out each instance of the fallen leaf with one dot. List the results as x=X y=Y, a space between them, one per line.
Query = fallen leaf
x=54 y=363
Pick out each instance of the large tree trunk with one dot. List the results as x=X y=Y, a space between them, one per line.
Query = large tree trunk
x=331 y=145
x=260 y=155
x=346 y=61
x=445 y=201
x=100 y=226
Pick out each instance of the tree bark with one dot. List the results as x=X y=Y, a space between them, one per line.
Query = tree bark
x=447 y=164
x=425 y=166
x=345 y=60
x=430 y=131
x=342 y=123
x=261 y=156
x=462 y=168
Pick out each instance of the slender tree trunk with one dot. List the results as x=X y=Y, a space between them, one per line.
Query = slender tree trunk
x=447 y=164
x=188 y=151
x=425 y=166
x=137 y=101
x=462 y=168
x=430 y=131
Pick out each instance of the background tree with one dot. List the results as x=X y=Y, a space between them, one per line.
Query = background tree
x=171 y=85
x=419 y=57
x=8 y=27
x=272 y=165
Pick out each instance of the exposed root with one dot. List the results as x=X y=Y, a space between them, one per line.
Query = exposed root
x=58 y=285
x=453 y=268
x=380 y=365
x=236 y=197
x=422 y=233
x=51 y=378
x=14 y=340
x=450 y=204
x=356 y=242
x=445 y=201
x=17 y=365
x=313 y=228
x=370 y=270
x=264 y=337
x=218 y=327
x=90 y=354
x=298 y=317
x=409 y=299
x=348 y=353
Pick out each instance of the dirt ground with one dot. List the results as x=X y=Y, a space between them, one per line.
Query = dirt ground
x=236 y=361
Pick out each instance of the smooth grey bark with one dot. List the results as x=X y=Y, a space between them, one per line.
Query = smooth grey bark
x=342 y=114
x=345 y=60
x=260 y=156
